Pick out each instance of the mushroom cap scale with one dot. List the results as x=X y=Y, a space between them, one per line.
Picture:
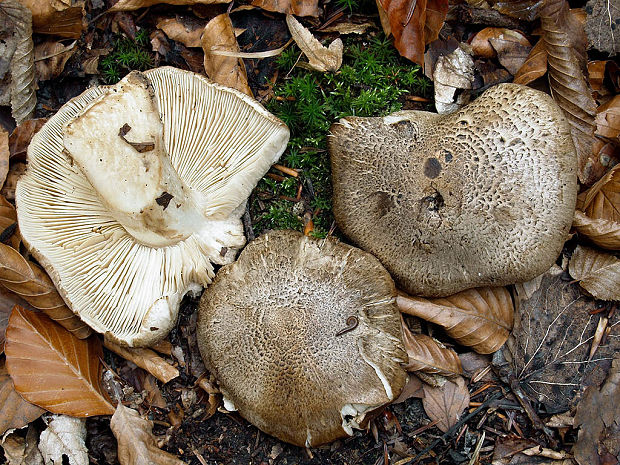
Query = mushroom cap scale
x=280 y=314
x=115 y=282
x=483 y=196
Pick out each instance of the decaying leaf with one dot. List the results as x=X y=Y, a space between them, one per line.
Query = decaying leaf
x=414 y=387
x=16 y=170
x=45 y=360
x=50 y=58
x=535 y=65
x=130 y=5
x=147 y=359
x=548 y=349
x=290 y=7
x=185 y=29
x=22 y=451
x=446 y=403
x=346 y=27
x=479 y=318
x=62 y=18
x=600 y=219
x=453 y=76
x=512 y=49
x=602 y=25
x=15 y=412
x=5 y=154
x=597 y=272
x=565 y=43
x=320 y=58
x=136 y=443
x=17 y=84
x=598 y=419
x=427 y=355
x=525 y=10
x=21 y=136
x=414 y=24
x=32 y=283
x=219 y=36
x=64 y=436
x=608 y=119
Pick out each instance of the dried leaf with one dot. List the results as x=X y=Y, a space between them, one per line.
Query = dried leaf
x=5 y=154
x=345 y=28
x=130 y=5
x=427 y=355
x=413 y=388
x=62 y=18
x=219 y=34
x=64 y=436
x=15 y=412
x=32 y=283
x=596 y=73
x=136 y=443
x=446 y=403
x=608 y=119
x=320 y=58
x=16 y=171
x=50 y=58
x=512 y=49
x=565 y=43
x=480 y=318
x=535 y=65
x=480 y=44
x=22 y=135
x=598 y=419
x=597 y=272
x=146 y=359
x=185 y=29
x=290 y=7
x=17 y=84
x=22 y=451
x=453 y=73
x=525 y=10
x=602 y=25
x=414 y=24
x=45 y=359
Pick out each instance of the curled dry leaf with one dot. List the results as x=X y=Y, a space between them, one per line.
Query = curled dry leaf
x=44 y=359
x=535 y=65
x=185 y=29
x=445 y=404
x=600 y=219
x=17 y=84
x=290 y=7
x=219 y=35
x=62 y=18
x=50 y=58
x=597 y=272
x=320 y=58
x=565 y=43
x=15 y=412
x=146 y=359
x=479 y=318
x=22 y=451
x=130 y=5
x=427 y=355
x=64 y=436
x=136 y=443
x=27 y=280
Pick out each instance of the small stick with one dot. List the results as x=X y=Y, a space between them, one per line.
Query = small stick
x=286 y=170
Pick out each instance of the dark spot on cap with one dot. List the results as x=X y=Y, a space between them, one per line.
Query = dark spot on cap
x=432 y=168
x=447 y=155
x=381 y=203
x=164 y=199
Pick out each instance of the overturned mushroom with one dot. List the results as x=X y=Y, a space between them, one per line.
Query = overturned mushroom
x=133 y=190
x=483 y=196
x=315 y=324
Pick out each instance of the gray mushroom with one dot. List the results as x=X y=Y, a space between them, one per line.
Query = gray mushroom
x=303 y=336
x=483 y=196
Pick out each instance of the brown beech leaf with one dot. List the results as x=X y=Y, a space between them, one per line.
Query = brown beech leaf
x=8 y=300
x=185 y=29
x=320 y=58
x=22 y=135
x=512 y=49
x=525 y=10
x=136 y=443
x=50 y=58
x=597 y=272
x=147 y=359
x=446 y=403
x=130 y=5
x=414 y=24
x=565 y=44
x=5 y=154
x=608 y=119
x=52 y=368
x=479 y=318
x=219 y=36
x=16 y=171
x=290 y=7
x=427 y=355
x=15 y=412
x=535 y=65
x=596 y=73
x=62 y=18
x=414 y=387
x=32 y=284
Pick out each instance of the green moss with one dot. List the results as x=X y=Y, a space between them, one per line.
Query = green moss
x=127 y=55
x=373 y=81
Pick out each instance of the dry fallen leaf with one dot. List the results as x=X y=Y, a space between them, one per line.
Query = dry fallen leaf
x=219 y=36
x=17 y=84
x=130 y=5
x=21 y=136
x=16 y=171
x=44 y=359
x=608 y=119
x=15 y=412
x=597 y=272
x=480 y=318
x=5 y=154
x=414 y=387
x=136 y=443
x=185 y=29
x=453 y=76
x=602 y=25
x=22 y=451
x=320 y=58
x=62 y=18
x=50 y=58
x=512 y=49
x=598 y=419
x=446 y=403
x=290 y=7
x=534 y=67
x=146 y=359
x=64 y=436
x=427 y=355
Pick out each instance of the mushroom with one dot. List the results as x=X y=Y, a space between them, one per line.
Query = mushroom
x=483 y=196
x=303 y=336
x=132 y=191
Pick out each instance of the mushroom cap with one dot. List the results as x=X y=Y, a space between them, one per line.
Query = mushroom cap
x=267 y=331
x=133 y=190
x=483 y=196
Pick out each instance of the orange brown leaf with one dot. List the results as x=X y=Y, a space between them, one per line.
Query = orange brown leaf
x=445 y=404
x=426 y=355
x=52 y=368
x=290 y=7
x=57 y=17
x=15 y=412
x=535 y=65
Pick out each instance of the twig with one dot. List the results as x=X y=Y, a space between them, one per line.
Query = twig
x=531 y=413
